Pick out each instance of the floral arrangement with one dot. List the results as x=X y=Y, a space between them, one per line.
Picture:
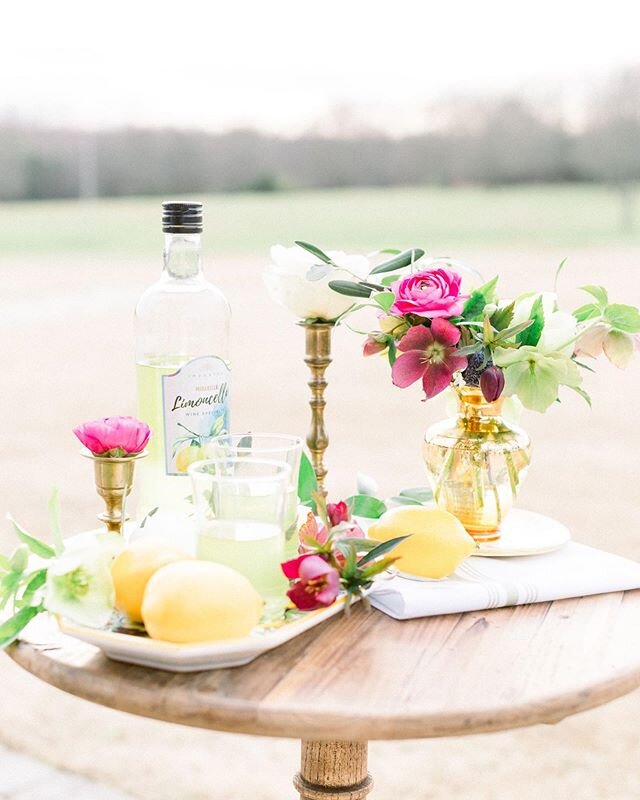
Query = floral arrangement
x=336 y=557
x=114 y=437
x=436 y=331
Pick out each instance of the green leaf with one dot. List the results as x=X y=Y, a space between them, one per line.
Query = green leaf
x=385 y=300
x=36 y=581
x=389 y=279
x=350 y=288
x=392 y=351
x=399 y=262
x=382 y=549
x=376 y=568
x=501 y=317
x=8 y=587
x=469 y=349
x=509 y=333
x=307 y=482
x=4 y=562
x=488 y=290
x=36 y=546
x=599 y=293
x=531 y=335
x=474 y=306
x=558 y=271
x=363 y=545
x=11 y=629
x=584 y=395
x=390 y=251
x=398 y=500
x=623 y=318
x=584 y=313
x=316 y=251
x=54 y=521
x=423 y=494
x=317 y=272
x=363 y=505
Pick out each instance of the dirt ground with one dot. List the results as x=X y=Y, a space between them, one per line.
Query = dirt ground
x=67 y=356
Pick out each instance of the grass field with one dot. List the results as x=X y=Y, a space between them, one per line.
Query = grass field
x=434 y=218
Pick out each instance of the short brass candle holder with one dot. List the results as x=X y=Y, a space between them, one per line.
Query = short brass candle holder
x=114 y=480
x=318 y=358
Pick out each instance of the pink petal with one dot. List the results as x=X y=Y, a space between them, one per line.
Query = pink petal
x=291 y=568
x=408 y=368
x=457 y=363
x=436 y=379
x=305 y=601
x=314 y=567
x=417 y=338
x=445 y=332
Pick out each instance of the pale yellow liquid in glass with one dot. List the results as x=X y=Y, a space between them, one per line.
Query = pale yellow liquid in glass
x=254 y=549
x=156 y=487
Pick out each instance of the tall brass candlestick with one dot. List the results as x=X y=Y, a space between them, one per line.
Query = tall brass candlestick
x=318 y=358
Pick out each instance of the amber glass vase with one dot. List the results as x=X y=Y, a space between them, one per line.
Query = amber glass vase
x=476 y=463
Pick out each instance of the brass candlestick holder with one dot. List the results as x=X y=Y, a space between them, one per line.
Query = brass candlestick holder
x=114 y=480
x=317 y=358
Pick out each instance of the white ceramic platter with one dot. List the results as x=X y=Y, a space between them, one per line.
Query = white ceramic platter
x=145 y=652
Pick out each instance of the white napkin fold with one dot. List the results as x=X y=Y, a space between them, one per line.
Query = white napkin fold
x=573 y=571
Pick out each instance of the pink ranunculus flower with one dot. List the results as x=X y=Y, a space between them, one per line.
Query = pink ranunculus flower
x=431 y=294
x=429 y=354
x=316 y=584
x=338 y=512
x=114 y=436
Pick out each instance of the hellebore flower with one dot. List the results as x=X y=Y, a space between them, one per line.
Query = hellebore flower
x=79 y=583
x=428 y=354
x=316 y=584
x=114 y=436
x=431 y=293
x=492 y=383
x=616 y=345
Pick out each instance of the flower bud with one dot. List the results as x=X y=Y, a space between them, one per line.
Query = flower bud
x=374 y=344
x=492 y=383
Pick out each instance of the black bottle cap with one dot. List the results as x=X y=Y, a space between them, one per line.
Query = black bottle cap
x=181 y=216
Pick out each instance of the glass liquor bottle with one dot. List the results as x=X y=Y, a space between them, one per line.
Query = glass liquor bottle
x=182 y=363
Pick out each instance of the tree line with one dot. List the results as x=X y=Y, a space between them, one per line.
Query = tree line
x=500 y=141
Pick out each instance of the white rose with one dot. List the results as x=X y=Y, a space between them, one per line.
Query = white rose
x=287 y=282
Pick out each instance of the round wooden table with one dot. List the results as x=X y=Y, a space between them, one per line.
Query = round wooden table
x=367 y=676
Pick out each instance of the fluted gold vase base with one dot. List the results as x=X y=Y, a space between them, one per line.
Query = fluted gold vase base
x=476 y=463
x=114 y=481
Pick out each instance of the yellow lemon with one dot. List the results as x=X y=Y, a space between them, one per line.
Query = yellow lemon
x=132 y=569
x=199 y=601
x=187 y=456
x=437 y=544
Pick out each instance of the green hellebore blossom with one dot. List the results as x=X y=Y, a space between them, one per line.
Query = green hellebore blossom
x=79 y=584
x=535 y=377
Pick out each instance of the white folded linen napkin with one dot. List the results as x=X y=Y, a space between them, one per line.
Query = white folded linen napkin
x=573 y=571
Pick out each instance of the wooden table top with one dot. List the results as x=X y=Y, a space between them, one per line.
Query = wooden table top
x=367 y=676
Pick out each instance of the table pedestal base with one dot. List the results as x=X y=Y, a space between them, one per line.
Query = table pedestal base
x=333 y=771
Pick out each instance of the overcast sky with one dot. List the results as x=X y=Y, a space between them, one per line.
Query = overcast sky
x=282 y=65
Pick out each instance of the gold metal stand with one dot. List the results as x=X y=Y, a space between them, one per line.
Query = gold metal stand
x=114 y=479
x=318 y=358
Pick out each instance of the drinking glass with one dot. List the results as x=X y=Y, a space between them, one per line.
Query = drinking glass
x=272 y=446
x=240 y=505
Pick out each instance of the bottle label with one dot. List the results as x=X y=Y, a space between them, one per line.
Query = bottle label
x=195 y=403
